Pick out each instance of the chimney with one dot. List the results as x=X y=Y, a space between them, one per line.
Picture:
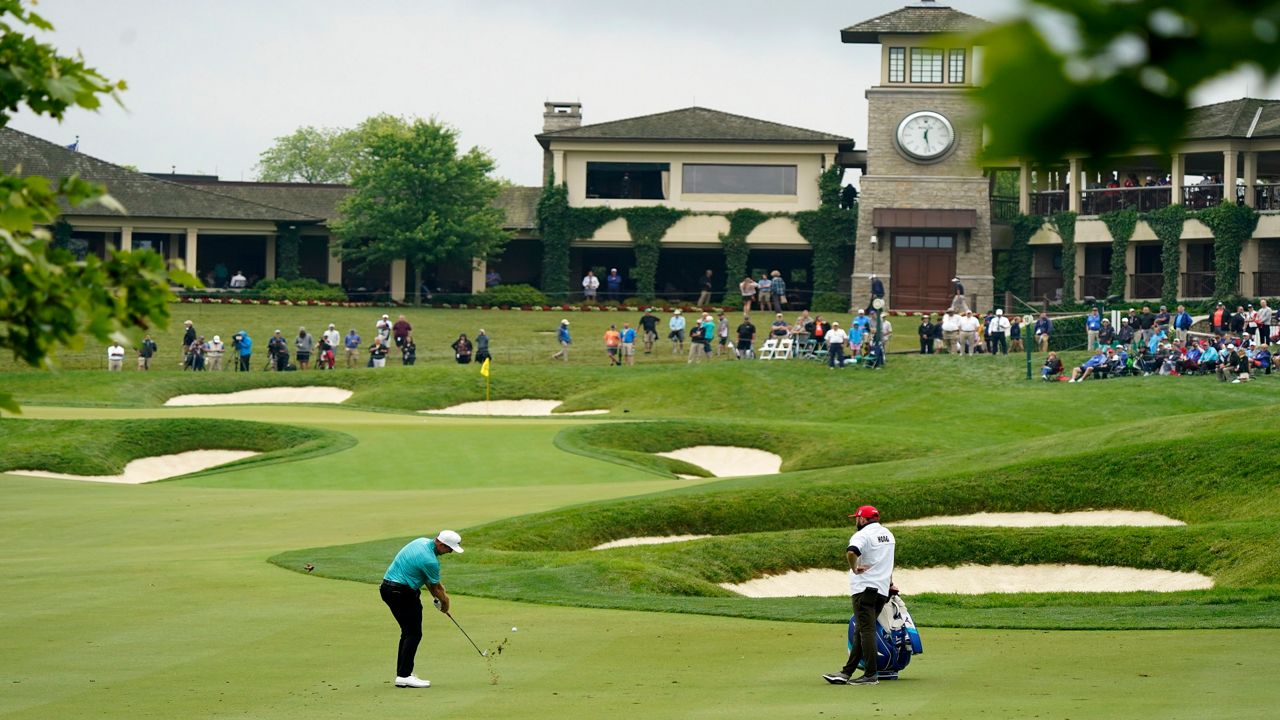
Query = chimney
x=561 y=116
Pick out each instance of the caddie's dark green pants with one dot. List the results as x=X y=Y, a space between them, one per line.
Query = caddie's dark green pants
x=866 y=608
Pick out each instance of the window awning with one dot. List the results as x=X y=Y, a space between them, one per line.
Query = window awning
x=912 y=219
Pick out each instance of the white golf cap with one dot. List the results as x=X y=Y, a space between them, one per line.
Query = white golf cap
x=217 y=338
x=999 y=311
x=452 y=539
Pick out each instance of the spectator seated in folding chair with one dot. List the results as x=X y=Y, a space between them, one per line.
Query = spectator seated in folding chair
x=1261 y=360
x=873 y=357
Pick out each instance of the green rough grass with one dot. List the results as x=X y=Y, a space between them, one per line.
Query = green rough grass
x=100 y=447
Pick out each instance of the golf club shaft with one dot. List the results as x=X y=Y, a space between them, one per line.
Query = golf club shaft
x=468 y=637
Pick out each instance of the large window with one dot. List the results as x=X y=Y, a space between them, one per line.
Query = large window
x=897 y=64
x=739 y=179
x=956 y=67
x=628 y=181
x=938 y=242
x=926 y=65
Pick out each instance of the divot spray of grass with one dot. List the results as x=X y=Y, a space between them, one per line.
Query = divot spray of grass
x=491 y=659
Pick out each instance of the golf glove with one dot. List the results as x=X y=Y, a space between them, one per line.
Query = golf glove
x=436 y=602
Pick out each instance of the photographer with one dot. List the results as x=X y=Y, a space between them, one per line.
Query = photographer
x=278 y=349
x=243 y=345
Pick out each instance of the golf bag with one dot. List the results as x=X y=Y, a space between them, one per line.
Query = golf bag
x=897 y=639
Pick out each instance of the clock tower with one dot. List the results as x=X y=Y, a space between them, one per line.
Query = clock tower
x=925 y=210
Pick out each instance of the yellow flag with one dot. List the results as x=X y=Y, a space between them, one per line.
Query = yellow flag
x=484 y=369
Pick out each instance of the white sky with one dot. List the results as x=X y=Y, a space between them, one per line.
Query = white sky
x=211 y=84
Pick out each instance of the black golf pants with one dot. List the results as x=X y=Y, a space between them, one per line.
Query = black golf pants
x=406 y=607
x=866 y=608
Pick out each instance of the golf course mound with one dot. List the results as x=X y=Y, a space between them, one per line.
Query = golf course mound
x=152 y=469
x=148 y=450
x=311 y=394
x=511 y=408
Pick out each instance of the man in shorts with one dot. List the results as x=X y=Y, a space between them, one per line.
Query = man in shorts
x=649 y=327
x=746 y=336
x=628 y=344
x=612 y=344
x=870 y=557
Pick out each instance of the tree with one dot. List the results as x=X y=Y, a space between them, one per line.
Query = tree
x=47 y=297
x=1102 y=78
x=418 y=199
x=321 y=155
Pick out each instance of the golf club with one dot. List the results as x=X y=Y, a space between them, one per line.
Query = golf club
x=468 y=637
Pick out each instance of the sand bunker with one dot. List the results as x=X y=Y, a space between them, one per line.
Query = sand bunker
x=728 y=461
x=514 y=408
x=652 y=540
x=160 y=467
x=979 y=579
x=263 y=396
x=1095 y=518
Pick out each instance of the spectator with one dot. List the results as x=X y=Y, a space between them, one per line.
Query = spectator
x=1234 y=365
x=698 y=340
x=462 y=349
x=748 y=290
x=219 y=277
x=764 y=292
x=779 y=291
x=612 y=344
x=1052 y=369
x=1262 y=321
x=862 y=320
x=886 y=331
x=746 y=338
x=325 y=352
x=115 y=357
x=277 y=352
x=1239 y=320
x=1043 y=329
x=925 y=333
x=1106 y=334
x=565 y=341
x=243 y=345
x=854 y=338
x=705 y=286
x=401 y=330
x=198 y=350
x=383 y=329
x=628 y=344
x=950 y=331
x=333 y=337
x=482 y=346
x=1220 y=320
x=1015 y=334
x=1090 y=366
x=1124 y=335
x=649 y=330
x=1182 y=323
x=214 y=352
x=352 y=344
x=590 y=284
x=802 y=328
x=492 y=279
x=1209 y=357
x=188 y=337
x=675 y=331
x=239 y=281
x=1092 y=326
x=1262 y=359
x=146 y=351
x=959 y=303
x=722 y=335
x=613 y=285
x=304 y=344
x=1146 y=325
x=836 y=339
x=408 y=351
x=997 y=332
x=378 y=352
x=1163 y=319
x=968 y=332
x=877 y=292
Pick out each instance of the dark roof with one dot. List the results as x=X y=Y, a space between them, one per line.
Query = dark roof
x=520 y=205
x=1234 y=119
x=694 y=124
x=140 y=194
x=925 y=18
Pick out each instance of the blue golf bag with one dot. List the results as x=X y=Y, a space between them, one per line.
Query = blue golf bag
x=897 y=639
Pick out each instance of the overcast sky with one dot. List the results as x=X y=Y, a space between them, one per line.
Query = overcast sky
x=211 y=84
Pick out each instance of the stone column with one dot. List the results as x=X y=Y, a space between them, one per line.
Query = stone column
x=1130 y=264
x=1078 y=280
x=1177 y=177
x=108 y=243
x=270 y=272
x=397 y=280
x=1249 y=261
x=557 y=166
x=1184 y=249
x=1075 y=186
x=172 y=253
x=1230 y=168
x=126 y=238
x=193 y=236
x=1250 y=178
x=1024 y=187
x=479 y=269
x=335 y=264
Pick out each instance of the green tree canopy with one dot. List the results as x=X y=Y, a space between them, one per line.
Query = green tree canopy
x=47 y=297
x=1102 y=78
x=321 y=155
x=417 y=198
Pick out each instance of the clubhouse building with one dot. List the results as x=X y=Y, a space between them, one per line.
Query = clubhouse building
x=929 y=209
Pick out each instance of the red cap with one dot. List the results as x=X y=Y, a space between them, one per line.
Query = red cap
x=867 y=512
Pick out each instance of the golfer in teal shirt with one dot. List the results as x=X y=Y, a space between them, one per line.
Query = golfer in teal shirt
x=415 y=566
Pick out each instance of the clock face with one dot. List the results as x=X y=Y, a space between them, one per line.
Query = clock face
x=925 y=135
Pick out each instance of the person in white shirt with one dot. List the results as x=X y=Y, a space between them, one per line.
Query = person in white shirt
x=996 y=334
x=1263 y=318
x=870 y=557
x=968 y=332
x=886 y=331
x=590 y=284
x=383 y=330
x=239 y=281
x=213 y=352
x=115 y=357
x=950 y=331
x=675 y=327
x=836 y=340
x=333 y=337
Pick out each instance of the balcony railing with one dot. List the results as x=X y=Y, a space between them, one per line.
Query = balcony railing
x=1096 y=285
x=1267 y=197
x=1003 y=208
x=1049 y=286
x=1048 y=202
x=1198 y=197
x=1146 y=285
x=1266 y=283
x=1199 y=284
x=1143 y=199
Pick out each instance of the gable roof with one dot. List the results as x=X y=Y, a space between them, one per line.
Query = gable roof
x=925 y=18
x=694 y=124
x=140 y=194
x=1235 y=119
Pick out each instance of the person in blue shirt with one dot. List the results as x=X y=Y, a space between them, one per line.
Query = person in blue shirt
x=243 y=345
x=628 y=344
x=1182 y=322
x=861 y=320
x=352 y=344
x=676 y=331
x=1042 y=330
x=1092 y=324
x=1084 y=371
x=415 y=566
x=565 y=341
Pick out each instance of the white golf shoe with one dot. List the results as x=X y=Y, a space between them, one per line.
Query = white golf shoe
x=413 y=681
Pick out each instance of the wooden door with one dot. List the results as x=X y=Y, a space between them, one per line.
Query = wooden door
x=922 y=268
